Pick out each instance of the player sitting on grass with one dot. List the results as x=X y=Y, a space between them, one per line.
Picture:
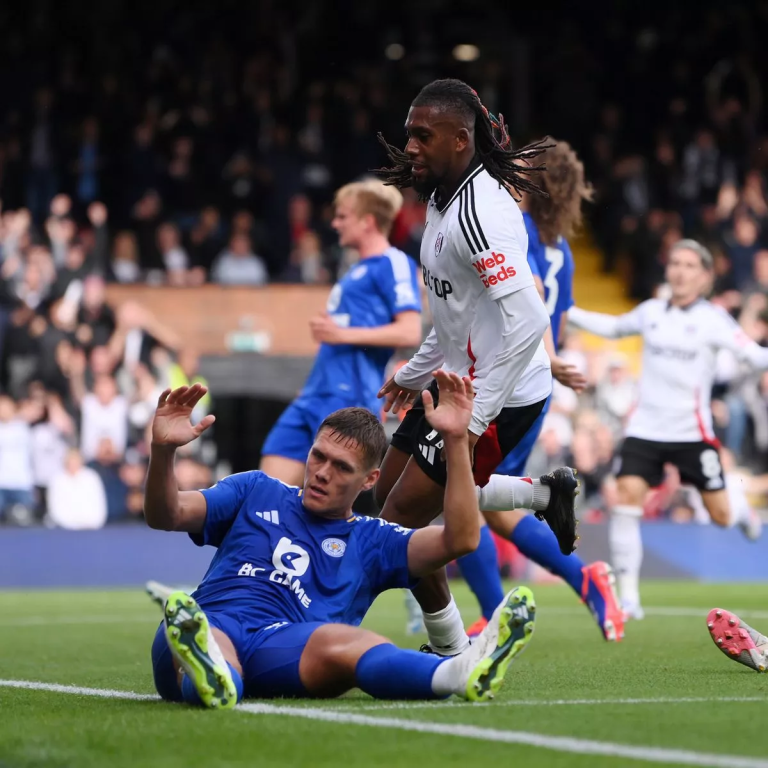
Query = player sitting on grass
x=737 y=640
x=296 y=570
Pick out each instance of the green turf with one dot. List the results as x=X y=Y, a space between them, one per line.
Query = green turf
x=101 y=640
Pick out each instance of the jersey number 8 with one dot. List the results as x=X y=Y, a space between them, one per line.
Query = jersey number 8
x=710 y=463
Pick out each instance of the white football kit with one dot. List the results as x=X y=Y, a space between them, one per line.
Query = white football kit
x=680 y=347
x=488 y=317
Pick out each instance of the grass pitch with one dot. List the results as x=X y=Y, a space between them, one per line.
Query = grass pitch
x=664 y=696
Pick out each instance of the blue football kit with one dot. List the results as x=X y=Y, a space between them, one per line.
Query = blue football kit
x=554 y=265
x=281 y=572
x=370 y=295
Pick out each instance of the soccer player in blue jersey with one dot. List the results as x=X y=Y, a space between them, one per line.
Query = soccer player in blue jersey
x=296 y=570
x=372 y=310
x=548 y=221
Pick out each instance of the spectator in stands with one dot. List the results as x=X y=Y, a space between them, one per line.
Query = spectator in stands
x=125 y=258
x=307 y=262
x=742 y=244
x=104 y=414
x=172 y=253
x=205 y=239
x=16 y=479
x=132 y=473
x=76 y=498
x=95 y=318
x=616 y=392
x=143 y=401
x=52 y=429
x=107 y=465
x=238 y=265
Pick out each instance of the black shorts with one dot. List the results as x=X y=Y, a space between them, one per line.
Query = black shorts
x=698 y=463
x=416 y=437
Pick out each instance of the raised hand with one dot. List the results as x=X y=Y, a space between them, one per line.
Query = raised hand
x=453 y=413
x=171 y=426
x=397 y=398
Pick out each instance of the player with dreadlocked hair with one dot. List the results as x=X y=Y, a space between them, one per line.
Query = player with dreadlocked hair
x=493 y=145
x=489 y=321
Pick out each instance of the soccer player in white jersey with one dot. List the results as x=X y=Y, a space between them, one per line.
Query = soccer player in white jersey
x=489 y=321
x=672 y=420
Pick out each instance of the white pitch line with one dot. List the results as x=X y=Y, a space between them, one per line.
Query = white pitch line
x=104 y=693
x=557 y=703
x=541 y=740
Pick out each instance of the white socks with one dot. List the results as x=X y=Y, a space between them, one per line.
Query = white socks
x=741 y=512
x=449 y=678
x=627 y=552
x=445 y=630
x=503 y=493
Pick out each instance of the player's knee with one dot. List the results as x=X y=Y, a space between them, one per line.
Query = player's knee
x=630 y=492
x=342 y=646
x=720 y=516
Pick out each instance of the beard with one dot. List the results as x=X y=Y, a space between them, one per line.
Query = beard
x=424 y=187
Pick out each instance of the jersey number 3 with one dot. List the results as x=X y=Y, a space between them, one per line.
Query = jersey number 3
x=555 y=258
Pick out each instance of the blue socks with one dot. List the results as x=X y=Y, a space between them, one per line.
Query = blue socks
x=190 y=695
x=480 y=570
x=387 y=672
x=536 y=541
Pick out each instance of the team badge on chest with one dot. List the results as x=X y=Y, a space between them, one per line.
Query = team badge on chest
x=439 y=243
x=334 y=547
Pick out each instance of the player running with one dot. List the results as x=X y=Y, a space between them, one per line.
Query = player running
x=737 y=640
x=488 y=323
x=549 y=221
x=672 y=420
x=372 y=310
x=296 y=570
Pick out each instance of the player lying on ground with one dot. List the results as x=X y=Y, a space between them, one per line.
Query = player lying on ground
x=548 y=221
x=296 y=570
x=372 y=310
x=489 y=321
x=737 y=640
x=672 y=420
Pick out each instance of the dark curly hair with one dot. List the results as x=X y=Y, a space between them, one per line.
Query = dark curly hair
x=493 y=146
x=559 y=213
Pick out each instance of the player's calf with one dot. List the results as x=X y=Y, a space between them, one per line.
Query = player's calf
x=208 y=680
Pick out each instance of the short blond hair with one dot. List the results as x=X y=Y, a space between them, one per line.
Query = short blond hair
x=375 y=198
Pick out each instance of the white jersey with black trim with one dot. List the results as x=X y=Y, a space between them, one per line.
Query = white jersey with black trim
x=473 y=254
x=680 y=346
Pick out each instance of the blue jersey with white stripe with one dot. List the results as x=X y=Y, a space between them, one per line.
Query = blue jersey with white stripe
x=554 y=266
x=276 y=561
x=371 y=294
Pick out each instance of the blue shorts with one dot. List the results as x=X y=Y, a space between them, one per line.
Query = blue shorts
x=295 y=430
x=514 y=462
x=269 y=656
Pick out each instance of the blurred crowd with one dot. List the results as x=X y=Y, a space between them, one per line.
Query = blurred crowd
x=181 y=144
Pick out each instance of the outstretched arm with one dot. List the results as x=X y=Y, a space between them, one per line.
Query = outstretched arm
x=165 y=507
x=433 y=547
x=609 y=326
x=726 y=333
